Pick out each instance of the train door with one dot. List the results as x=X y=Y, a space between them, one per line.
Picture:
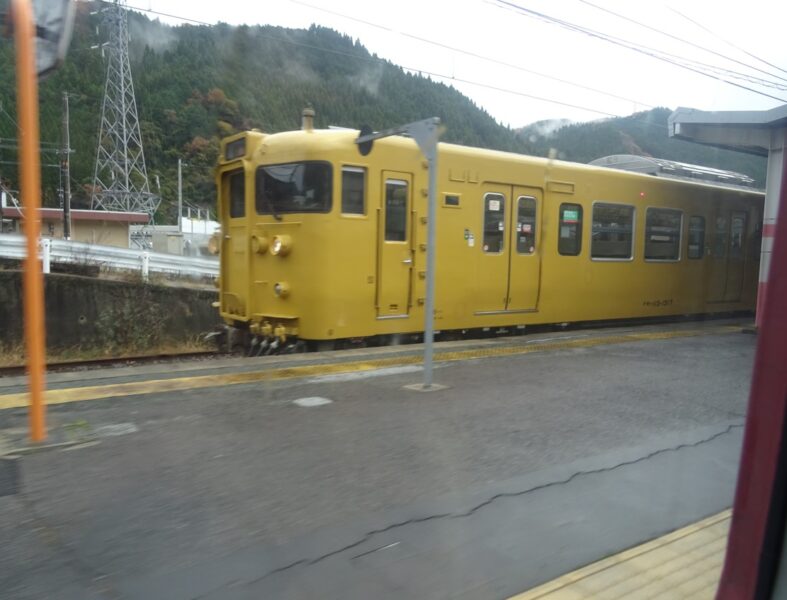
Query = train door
x=717 y=262
x=395 y=246
x=736 y=256
x=234 y=243
x=524 y=273
x=491 y=277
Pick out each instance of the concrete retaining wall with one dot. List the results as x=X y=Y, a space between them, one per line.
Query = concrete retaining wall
x=108 y=316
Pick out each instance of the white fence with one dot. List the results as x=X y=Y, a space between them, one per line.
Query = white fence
x=110 y=257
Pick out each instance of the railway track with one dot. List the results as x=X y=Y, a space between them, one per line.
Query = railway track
x=118 y=362
x=110 y=362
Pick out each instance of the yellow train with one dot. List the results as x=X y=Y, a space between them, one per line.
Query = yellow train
x=319 y=243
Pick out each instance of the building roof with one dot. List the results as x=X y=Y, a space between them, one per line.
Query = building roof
x=56 y=214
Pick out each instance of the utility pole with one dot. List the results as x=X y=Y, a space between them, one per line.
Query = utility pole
x=180 y=198
x=65 y=170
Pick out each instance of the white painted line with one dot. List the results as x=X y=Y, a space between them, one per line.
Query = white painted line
x=558 y=338
x=115 y=429
x=311 y=401
x=356 y=375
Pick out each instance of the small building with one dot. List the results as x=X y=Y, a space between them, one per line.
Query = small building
x=102 y=227
x=190 y=239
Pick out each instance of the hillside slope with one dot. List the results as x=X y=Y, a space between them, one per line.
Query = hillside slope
x=643 y=134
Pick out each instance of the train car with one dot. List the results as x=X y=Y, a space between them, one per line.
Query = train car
x=319 y=243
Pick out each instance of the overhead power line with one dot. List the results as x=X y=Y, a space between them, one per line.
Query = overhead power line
x=407 y=68
x=682 y=61
x=726 y=41
x=659 y=55
x=682 y=40
x=471 y=54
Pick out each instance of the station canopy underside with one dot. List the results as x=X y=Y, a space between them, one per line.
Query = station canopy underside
x=752 y=132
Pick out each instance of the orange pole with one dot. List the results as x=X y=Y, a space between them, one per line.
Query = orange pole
x=30 y=190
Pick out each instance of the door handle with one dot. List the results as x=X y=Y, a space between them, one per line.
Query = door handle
x=407 y=261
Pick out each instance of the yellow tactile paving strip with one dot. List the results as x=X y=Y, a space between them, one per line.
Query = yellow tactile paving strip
x=680 y=565
x=97 y=392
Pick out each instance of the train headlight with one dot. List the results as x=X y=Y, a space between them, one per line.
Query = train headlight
x=281 y=245
x=281 y=289
x=259 y=245
x=214 y=244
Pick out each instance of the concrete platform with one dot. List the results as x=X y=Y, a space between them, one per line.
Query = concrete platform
x=325 y=478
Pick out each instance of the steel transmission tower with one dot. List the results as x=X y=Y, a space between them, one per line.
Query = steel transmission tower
x=120 y=180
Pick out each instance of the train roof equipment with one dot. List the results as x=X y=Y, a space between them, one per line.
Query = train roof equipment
x=671 y=169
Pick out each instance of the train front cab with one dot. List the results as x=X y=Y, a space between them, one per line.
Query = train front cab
x=231 y=179
x=303 y=244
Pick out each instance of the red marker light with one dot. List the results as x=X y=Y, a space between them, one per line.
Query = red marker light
x=642 y=194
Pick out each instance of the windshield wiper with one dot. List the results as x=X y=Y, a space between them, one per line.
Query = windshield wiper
x=269 y=202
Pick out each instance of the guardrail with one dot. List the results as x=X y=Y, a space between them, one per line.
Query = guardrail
x=110 y=257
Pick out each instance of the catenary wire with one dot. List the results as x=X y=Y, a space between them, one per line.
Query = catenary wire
x=682 y=40
x=604 y=37
x=726 y=41
x=407 y=68
x=674 y=59
x=469 y=53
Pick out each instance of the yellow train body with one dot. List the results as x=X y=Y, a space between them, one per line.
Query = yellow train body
x=321 y=243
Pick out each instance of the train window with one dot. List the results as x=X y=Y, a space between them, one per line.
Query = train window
x=526 y=225
x=451 y=200
x=696 y=237
x=569 y=241
x=353 y=191
x=237 y=190
x=395 y=210
x=494 y=223
x=613 y=231
x=737 y=232
x=720 y=238
x=301 y=187
x=662 y=234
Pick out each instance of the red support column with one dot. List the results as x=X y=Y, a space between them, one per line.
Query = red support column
x=758 y=517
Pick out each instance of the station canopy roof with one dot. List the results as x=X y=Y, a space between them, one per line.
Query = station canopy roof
x=747 y=131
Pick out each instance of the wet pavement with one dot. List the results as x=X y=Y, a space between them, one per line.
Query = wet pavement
x=527 y=466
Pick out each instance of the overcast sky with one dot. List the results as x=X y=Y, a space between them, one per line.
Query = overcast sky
x=521 y=46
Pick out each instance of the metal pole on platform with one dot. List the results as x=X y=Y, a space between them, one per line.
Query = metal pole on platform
x=30 y=192
x=431 y=217
x=426 y=134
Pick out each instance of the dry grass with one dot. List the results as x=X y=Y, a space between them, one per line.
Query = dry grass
x=14 y=356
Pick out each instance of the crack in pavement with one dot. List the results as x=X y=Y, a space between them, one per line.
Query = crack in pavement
x=370 y=534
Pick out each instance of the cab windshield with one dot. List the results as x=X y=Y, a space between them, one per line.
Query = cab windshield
x=300 y=187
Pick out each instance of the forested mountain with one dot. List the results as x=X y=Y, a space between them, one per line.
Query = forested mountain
x=643 y=134
x=196 y=84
